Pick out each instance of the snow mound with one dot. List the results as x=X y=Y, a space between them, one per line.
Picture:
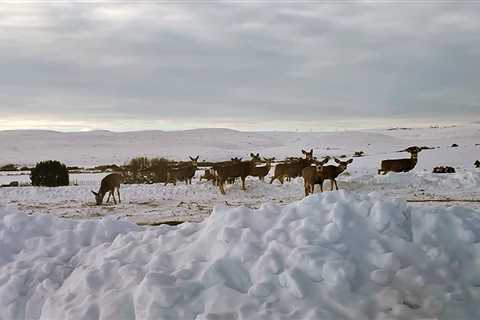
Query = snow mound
x=330 y=256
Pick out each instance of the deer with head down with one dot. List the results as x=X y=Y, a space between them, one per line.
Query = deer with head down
x=293 y=168
x=184 y=171
x=400 y=165
x=108 y=184
x=237 y=168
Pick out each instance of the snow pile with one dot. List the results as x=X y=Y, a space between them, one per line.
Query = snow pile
x=331 y=256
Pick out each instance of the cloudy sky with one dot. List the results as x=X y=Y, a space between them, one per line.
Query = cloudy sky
x=250 y=65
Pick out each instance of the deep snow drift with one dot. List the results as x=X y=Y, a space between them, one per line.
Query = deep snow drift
x=335 y=255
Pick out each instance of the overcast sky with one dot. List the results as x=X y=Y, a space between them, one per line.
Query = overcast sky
x=272 y=65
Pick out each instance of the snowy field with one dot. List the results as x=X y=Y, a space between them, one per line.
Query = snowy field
x=266 y=253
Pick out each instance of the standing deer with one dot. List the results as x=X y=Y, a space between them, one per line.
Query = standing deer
x=311 y=175
x=262 y=171
x=400 y=165
x=184 y=171
x=109 y=184
x=331 y=172
x=293 y=168
x=237 y=168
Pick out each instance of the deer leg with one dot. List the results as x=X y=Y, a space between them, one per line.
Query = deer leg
x=336 y=185
x=118 y=194
x=220 y=186
x=331 y=184
x=271 y=180
x=113 y=196
x=108 y=198
x=243 y=183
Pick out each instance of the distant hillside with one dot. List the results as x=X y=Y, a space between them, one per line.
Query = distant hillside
x=25 y=147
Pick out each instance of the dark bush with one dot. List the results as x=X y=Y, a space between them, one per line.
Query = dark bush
x=145 y=170
x=9 y=167
x=49 y=173
x=443 y=169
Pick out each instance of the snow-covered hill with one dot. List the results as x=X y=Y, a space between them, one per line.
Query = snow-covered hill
x=26 y=147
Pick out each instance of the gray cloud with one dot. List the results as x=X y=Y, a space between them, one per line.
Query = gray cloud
x=207 y=63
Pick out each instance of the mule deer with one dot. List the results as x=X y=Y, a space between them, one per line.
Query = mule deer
x=209 y=175
x=108 y=184
x=237 y=168
x=262 y=171
x=292 y=169
x=184 y=171
x=331 y=172
x=311 y=175
x=400 y=165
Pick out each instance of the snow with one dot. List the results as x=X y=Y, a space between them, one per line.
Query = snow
x=26 y=147
x=265 y=253
x=336 y=255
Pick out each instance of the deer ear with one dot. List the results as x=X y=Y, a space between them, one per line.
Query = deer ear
x=311 y=151
x=350 y=161
x=196 y=159
x=304 y=152
x=190 y=158
x=336 y=160
x=252 y=155
x=94 y=193
x=240 y=159
x=272 y=158
x=258 y=155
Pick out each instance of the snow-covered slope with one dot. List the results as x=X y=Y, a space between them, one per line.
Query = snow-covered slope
x=101 y=147
x=330 y=256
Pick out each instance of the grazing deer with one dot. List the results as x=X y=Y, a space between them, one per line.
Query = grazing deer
x=293 y=168
x=311 y=175
x=185 y=171
x=400 y=165
x=237 y=168
x=209 y=175
x=477 y=164
x=108 y=184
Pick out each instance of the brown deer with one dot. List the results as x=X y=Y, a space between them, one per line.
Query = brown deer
x=237 y=168
x=331 y=172
x=109 y=184
x=262 y=171
x=400 y=165
x=209 y=175
x=293 y=168
x=311 y=175
x=184 y=171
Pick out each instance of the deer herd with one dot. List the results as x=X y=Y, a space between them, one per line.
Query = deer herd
x=313 y=171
